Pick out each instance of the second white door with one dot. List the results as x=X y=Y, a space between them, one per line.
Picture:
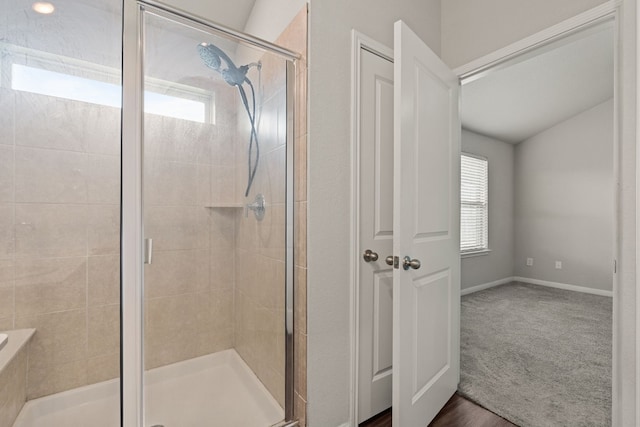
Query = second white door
x=375 y=285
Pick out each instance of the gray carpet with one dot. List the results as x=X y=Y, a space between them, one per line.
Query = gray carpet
x=538 y=356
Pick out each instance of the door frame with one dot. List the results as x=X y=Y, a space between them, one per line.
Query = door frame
x=625 y=322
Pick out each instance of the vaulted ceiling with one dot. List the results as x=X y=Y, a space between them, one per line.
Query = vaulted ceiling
x=542 y=88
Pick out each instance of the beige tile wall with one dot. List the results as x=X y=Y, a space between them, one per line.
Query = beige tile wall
x=59 y=236
x=13 y=388
x=189 y=309
x=260 y=246
x=295 y=38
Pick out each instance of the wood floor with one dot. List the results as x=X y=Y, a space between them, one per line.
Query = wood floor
x=458 y=412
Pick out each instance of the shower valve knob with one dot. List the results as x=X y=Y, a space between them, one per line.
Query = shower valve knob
x=258 y=207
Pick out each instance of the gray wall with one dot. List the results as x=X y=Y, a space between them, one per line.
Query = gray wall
x=550 y=198
x=477 y=20
x=472 y=29
x=329 y=174
x=498 y=264
x=564 y=201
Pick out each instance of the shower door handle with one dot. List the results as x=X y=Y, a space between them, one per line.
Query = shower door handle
x=148 y=250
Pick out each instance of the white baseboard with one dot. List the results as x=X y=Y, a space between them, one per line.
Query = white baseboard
x=564 y=286
x=486 y=286
x=536 y=282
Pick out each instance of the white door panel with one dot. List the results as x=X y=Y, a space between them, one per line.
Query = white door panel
x=426 y=228
x=382 y=325
x=375 y=284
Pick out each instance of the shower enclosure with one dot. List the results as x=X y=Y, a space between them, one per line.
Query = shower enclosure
x=146 y=212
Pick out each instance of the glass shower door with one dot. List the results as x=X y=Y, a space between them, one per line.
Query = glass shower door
x=215 y=163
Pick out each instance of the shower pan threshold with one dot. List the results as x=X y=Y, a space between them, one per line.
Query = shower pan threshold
x=214 y=390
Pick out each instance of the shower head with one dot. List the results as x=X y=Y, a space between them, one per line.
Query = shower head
x=213 y=57
x=210 y=55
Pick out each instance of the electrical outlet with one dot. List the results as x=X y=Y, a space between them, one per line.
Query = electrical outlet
x=529 y=262
x=558 y=265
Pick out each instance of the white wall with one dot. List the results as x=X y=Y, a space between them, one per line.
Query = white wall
x=219 y=11
x=269 y=18
x=331 y=22
x=472 y=29
x=498 y=264
x=564 y=201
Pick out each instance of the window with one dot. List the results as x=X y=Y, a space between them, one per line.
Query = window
x=186 y=106
x=474 y=204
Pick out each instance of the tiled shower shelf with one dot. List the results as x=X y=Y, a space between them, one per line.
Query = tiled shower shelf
x=16 y=339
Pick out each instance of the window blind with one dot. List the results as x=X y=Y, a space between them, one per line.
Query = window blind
x=474 y=204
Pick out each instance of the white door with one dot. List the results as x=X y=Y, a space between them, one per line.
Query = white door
x=426 y=220
x=375 y=284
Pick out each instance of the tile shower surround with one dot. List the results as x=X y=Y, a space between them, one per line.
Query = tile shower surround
x=13 y=375
x=59 y=237
x=259 y=302
x=59 y=240
x=295 y=38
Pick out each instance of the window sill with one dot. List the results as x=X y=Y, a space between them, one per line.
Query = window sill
x=475 y=253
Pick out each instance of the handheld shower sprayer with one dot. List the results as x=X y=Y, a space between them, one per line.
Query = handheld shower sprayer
x=213 y=57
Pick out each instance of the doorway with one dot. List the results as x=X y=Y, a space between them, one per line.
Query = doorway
x=543 y=283
x=474 y=76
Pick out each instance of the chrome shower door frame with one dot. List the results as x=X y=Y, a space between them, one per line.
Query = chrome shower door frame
x=132 y=214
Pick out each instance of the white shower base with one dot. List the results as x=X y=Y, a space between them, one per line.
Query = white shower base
x=214 y=390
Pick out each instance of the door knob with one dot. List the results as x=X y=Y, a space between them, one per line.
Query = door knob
x=408 y=263
x=369 y=256
x=389 y=260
